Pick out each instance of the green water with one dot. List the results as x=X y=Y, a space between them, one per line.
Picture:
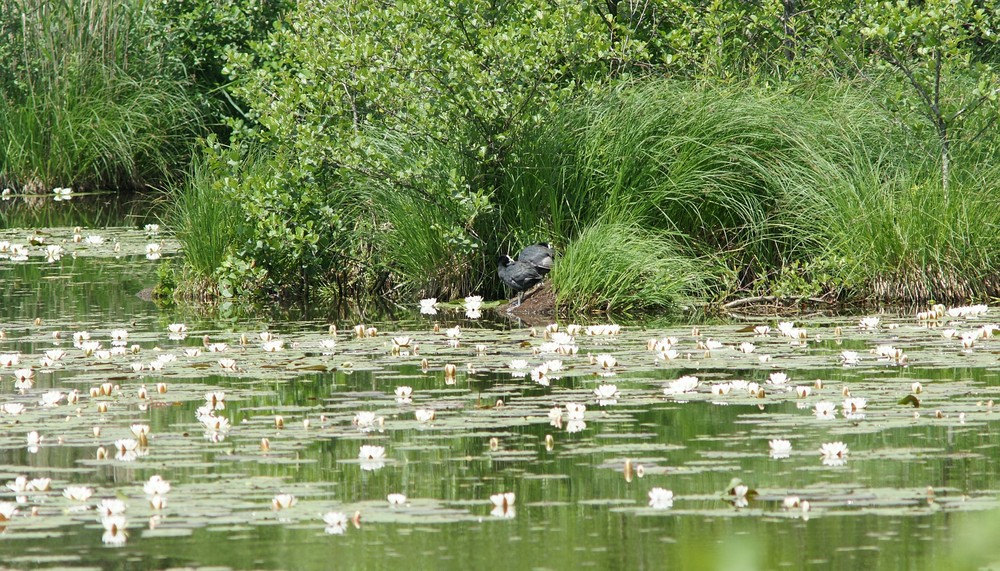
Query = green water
x=574 y=507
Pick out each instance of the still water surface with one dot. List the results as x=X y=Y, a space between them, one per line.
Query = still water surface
x=918 y=489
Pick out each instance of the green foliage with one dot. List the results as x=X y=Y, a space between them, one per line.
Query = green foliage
x=199 y=33
x=623 y=268
x=419 y=98
x=86 y=99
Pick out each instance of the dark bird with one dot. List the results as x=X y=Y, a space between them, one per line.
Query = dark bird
x=519 y=275
x=538 y=255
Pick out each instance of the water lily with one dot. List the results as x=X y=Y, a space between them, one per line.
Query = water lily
x=18 y=485
x=10 y=359
x=151 y=229
x=605 y=361
x=834 y=453
x=227 y=364
x=575 y=425
x=78 y=493
x=746 y=347
x=152 y=251
x=802 y=391
x=34 y=441
x=12 y=408
x=51 y=398
x=661 y=499
x=365 y=420
x=328 y=344
x=273 y=345
x=424 y=414
x=157 y=502
x=396 y=499
x=778 y=378
x=682 y=385
x=780 y=448
x=369 y=452
x=453 y=332
x=869 y=323
x=39 y=484
x=110 y=507
x=216 y=400
x=53 y=253
x=95 y=239
x=555 y=416
x=850 y=357
x=575 y=411
x=7 y=511
x=539 y=374
x=761 y=330
x=283 y=501
x=721 y=389
x=606 y=394
x=156 y=485
x=114 y=530
x=825 y=410
x=336 y=523
x=428 y=306
x=473 y=302
x=404 y=394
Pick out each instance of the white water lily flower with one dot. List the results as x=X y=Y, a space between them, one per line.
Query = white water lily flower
x=18 y=253
x=228 y=364
x=761 y=330
x=721 y=389
x=114 y=530
x=153 y=251
x=802 y=391
x=328 y=344
x=7 y=511
x=157 y=502
x=453 y=332
x=606 y=392
x=110 y=507
x=78 y=493
x=539 y=374
x=428 y=306
x=156 y=486
x=518 y=364
x=473 y=302
x=825 y=410
x=273 y=345
x=336 y=523
x=573 y=426
x=834 y=450
x=39 y=484
x=396 y=499
x=216 y=400
x=869 y=323
x=51 y=398
x=12 y=408
x=55 y=354
x=777 y=378
x=33 y=438
x=786 y=327
x=177 y=328
x=606 y=361
x=364 y=420
x=369 y=452
x=404 y=394
x=850 y=357
x=53 y=253
x=855 y=405
x=424 y=414
x=780 y=448
x=504 y=500
x=24 y=375
x=151 y=229
x=95 y=239
x=668 y=355
x=283 y=501
x=575 y=411
x=18 y=485
x=555 y=416
x=661 y=499
x=746 y=347
x=684 y=384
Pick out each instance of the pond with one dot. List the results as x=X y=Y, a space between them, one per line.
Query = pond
x=138 y=438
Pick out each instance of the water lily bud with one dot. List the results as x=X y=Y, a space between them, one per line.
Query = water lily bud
x=628 y=471
x=279 y=421
x=265 y=444
x=550 y=442
x=494 y=443
x=102 y=407
x=102 y=453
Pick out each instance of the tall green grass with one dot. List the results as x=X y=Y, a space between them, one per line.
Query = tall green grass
x=623 y=268
x=206 y=219
x=87 y=98
x=811 y=176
